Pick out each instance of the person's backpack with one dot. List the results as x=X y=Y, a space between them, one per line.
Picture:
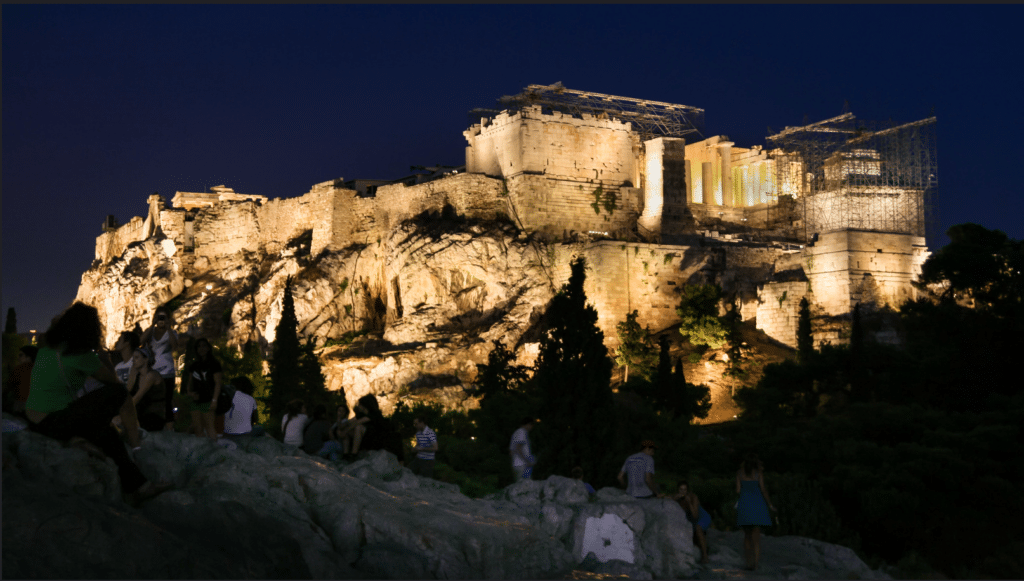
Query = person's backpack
x=225 y=400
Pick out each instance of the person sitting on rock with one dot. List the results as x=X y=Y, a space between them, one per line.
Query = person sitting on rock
x=380 y=432
x=147 y=390
x=696 y=514
x=63 y=363
x=125 y=346
x=577 y=474
x=519 y=448
x=241 y=419
x=161 y=339
x=346 y=435
x=316 y=431
x=640 y=469
x=294 y=422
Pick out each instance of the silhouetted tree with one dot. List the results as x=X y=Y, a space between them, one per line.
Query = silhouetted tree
x=12 y=322
x=573 y=379
x=284 y=366
x=804 y=339
x=636 y=349
x=499 y=374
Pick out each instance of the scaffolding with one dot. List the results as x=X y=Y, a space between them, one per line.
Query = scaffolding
x=847 y=173
x=649 y=119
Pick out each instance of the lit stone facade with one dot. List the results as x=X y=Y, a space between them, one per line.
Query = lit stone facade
x=559 y=176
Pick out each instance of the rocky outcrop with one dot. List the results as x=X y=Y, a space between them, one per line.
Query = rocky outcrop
x=262 y=509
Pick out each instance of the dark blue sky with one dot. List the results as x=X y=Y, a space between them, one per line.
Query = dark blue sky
x=103 y=105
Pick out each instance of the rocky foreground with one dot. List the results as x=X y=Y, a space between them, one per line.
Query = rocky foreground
x=267 y=510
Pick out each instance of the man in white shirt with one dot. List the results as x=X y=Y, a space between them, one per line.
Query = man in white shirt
x=239 y=420
x=640 y=469
x=519 y=448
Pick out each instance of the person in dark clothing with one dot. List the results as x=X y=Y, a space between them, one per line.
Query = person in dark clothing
x=62 y=366
x=205 y=377
x=380 y=433
x=316 y=432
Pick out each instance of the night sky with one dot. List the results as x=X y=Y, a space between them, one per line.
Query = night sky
x=104 y=105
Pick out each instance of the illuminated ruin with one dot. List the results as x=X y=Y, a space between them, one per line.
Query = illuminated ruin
x=836 y=211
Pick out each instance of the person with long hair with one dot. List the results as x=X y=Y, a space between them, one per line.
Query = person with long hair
x=161 y=339
x=147 y=390
x=752 y=508
x=294 y=422
x=242 y=418
x=62 y=365
x=205 y=377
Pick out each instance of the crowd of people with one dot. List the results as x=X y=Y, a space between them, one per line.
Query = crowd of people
x=70 y=389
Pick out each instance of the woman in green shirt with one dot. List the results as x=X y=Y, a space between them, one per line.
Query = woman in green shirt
x=68 y=357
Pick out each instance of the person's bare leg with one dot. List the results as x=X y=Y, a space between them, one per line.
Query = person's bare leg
x=357 y=438
x=702 y=540
x=748 y=546
x=130 y=420
x=757 y=546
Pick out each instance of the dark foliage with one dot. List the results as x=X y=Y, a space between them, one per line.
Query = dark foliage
x=804 y=339
x=11 y=326
x=573 y=379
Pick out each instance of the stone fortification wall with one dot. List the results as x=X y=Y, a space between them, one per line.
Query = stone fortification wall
x=624 y=277
x=111 y=245
x=470 y=195
x=556 y=145
x=562 y=206
x=743 y=269
x=778 y=309
x=851 y=266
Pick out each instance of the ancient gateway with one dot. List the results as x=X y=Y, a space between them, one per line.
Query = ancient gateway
x=835 y=211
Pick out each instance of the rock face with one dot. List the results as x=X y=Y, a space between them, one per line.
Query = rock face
x=262 y=509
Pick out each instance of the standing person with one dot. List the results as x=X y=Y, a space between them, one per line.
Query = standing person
x=293 y=423
x=696 y=514
x=426 y=448
x=241 y=419
x=21 y=377
x=125 y=346
x=752 y=508
x=640 y=469
x=205 y=377
x=62 y=366
x=316 y=431
x=163 y=342
x=147 y=390
x=519 y=447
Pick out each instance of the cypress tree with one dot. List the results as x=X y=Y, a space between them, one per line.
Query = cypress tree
x=573 y=379
x=284 y=367
x=12 y=322
x=804 y=339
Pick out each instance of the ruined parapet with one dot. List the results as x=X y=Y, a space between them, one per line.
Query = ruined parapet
x=216 y=195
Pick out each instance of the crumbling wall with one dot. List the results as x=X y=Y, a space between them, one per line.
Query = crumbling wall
x=111 y=245
x=469 y=195
x=560 y=207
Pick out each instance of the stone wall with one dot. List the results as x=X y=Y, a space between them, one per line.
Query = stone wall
x=111 y=245
x=562 y=206
x=851 y=266
x=470 y=195
x=778 y=309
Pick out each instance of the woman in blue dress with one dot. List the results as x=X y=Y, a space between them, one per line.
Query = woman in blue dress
x=752 y=508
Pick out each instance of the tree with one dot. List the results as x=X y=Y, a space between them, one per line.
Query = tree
x=698 y=310
x=12 y=322
x=573 y=380
x=978 y=263
x=284 y=366
x=804 y=339
x=499 y=375
x=636 y=349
